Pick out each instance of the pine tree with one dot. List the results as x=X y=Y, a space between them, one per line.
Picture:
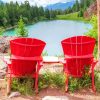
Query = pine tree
x=53 y=14
x=21 y=30
x=80 y=14
x=77 y=5
x=47 y=14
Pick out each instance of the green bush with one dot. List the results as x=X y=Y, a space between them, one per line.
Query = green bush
x=56 y=80
x=21 y=30
x=80 y=14
x=79 y=83
x=93 y=32
x=97 y=81
x=51 y=80
x=23 y=85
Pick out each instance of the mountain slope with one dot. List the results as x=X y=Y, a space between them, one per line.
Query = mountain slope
x=61 y=6
x=1 y=1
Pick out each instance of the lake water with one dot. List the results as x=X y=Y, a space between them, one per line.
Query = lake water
x=52 y=32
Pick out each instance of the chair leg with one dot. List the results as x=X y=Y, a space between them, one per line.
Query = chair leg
x=66 y=82
x=36 y=78
x=93 y=80
x=93 y=85
x=36 y=83
x=9 y=81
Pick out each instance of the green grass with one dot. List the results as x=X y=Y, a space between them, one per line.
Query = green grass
x=56 y=80
x=72 y=16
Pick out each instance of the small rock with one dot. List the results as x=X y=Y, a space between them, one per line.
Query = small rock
x=2 y=75
x=14 y=94
x=55 y=98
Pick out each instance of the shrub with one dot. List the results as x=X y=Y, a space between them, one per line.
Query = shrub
x=49 y=79
x=56 y=80
x=23 y=85
x=97 y=81
x=80 y=14
x=21 y=30
x=93 y=33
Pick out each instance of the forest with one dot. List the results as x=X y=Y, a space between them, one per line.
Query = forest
x=10 y=13
x=79 y=6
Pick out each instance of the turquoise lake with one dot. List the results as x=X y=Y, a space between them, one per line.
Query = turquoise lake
x=53 y=32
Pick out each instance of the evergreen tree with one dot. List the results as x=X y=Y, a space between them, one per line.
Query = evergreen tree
x=41 y=11
x=77 y=5
x=53 y=14
x=80 y=14
x=47 y=14
x=11 y=12
x=21 y=30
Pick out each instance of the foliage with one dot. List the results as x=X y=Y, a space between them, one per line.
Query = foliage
x=49 y=79
x=93 y=32
x=84 y=4
x=53 y=14
x=47 y=14
x=71 y=16
x=57 y=80
x=1 y=31
x=45 y=53
x=97 y=81
x=76 y=5
x=23 y=85
x=21 y=30
x=79 y=83
x=80 y=14
x=10 y=13
x=79 y=6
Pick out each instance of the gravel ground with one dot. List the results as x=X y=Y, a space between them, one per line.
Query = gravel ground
x=85 y=94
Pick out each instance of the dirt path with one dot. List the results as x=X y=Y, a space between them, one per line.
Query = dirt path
x=86 y=94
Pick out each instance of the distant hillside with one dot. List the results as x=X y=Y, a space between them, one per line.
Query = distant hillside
x=61 y=6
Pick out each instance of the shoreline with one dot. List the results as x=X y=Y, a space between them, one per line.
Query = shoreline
x=74 y=17
x=57 y=18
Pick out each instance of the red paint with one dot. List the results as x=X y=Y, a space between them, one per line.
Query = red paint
x=26 y=58
x=78 y=53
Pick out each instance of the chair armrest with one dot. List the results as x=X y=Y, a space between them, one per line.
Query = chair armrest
x=37 y=58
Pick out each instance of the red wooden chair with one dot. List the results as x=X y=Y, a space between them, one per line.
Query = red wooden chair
x=25 y=59
x=78 y=53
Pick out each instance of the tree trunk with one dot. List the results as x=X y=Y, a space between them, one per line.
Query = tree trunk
x=98 y=14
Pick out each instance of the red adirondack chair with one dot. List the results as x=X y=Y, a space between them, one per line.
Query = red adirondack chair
x=25 y=59
x=78 y=53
